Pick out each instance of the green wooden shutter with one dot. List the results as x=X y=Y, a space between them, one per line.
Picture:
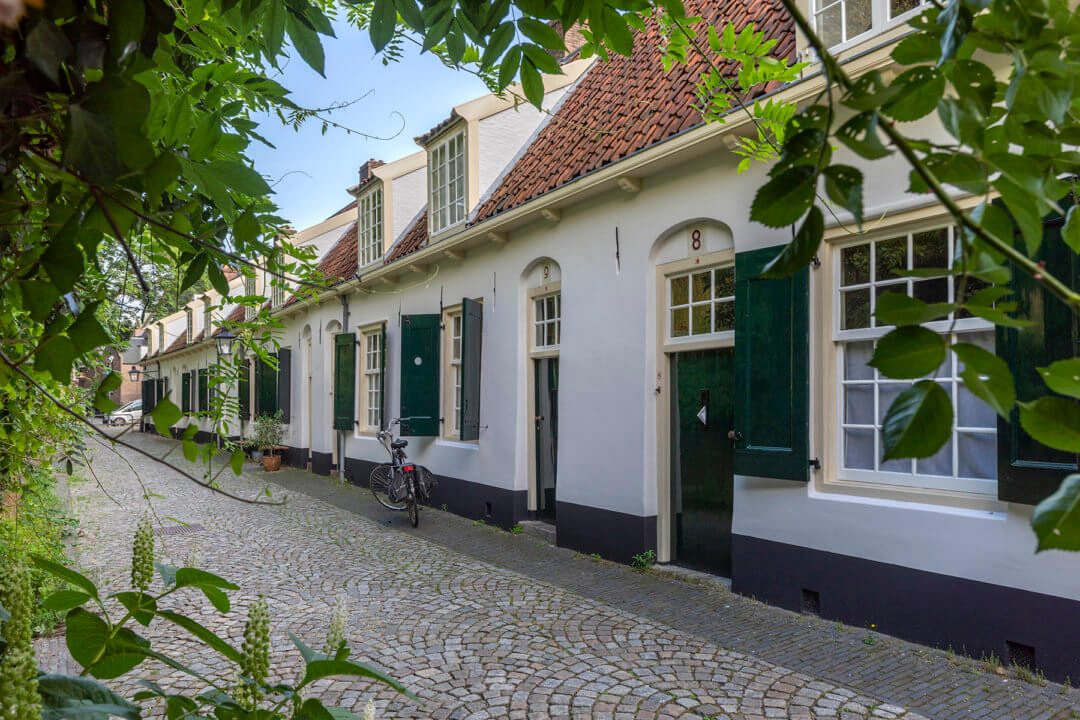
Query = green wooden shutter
x=472 y=326
x=260 y=369
x=204 y=390
x=147 y=396
x=243 y=391
x=185 y=392
x=344 y=381
x=382 y=377
x=1027 y=470
x=420 y=374
x=772 y=359
x=265 y=387
x=284 y=383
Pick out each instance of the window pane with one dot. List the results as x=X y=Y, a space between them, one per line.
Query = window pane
x=888 y=393
x=679 y=290
x=859 y=449
x=859 y=404
x=725 y=282
x=550 y=307
x=900 y=466
x=540 y=317
x=680 y=322
x=855 y=263
x=702 y=319
x=540 y=335
x=938 y=464
x=890 y=255
x=971 y=411
x=930 y=249
x=932 y=291
x=856 y=312
x=551 y=339
x=977 y=455
x=828 y=25
x=898 y=7
x=724 y=316
x=856 y=355
x=702 y=286
x=858 y=17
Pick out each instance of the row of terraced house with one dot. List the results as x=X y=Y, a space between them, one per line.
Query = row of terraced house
x=562 y=307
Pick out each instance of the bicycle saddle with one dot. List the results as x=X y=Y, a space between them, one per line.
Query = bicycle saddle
x=398 y=444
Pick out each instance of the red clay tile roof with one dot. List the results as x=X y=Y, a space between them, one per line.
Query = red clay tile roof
x=337 y=265
x=414 y=238
x=630 y=102
x=237 y=315
x=177 y=344
x=424 y=139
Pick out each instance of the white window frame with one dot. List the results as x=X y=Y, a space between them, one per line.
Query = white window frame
x=541 y=321
x=190 y=329
x=370 y=226
x=371 y=371
x=881 y=19
x=249 y=289
x=691 y=303
x=447 y=183
x=841 y=338
x=453 y=322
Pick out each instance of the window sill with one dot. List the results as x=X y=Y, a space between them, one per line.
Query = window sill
x=460 y=444
x=947 y=501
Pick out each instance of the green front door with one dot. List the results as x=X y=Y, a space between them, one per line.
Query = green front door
x=547 y=435
x=702 y=458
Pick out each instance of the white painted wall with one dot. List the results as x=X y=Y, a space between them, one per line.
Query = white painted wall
x=409 y=196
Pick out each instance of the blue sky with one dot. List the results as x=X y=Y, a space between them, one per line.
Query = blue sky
x=420 y=87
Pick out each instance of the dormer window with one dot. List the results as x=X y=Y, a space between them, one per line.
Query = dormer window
x=838 y=22
x=446 y=163
x=208 y=320
x=161 y=337
x=370 y=229
x=249 y=289
x=190 y=331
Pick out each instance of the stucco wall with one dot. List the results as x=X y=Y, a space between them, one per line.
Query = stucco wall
x=410 y=194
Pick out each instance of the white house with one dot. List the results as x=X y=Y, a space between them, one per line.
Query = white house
x=562 y=308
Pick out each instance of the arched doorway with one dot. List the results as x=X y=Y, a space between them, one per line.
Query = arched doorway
x=543 y=337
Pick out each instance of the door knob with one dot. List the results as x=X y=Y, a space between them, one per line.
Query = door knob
x=734 y=435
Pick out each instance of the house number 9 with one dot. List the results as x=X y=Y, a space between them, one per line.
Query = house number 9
x=695 y=240
x=547 y=272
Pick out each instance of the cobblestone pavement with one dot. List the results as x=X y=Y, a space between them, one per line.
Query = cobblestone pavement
x=481 y=623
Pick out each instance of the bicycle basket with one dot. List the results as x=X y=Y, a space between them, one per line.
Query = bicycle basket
x=425 y=482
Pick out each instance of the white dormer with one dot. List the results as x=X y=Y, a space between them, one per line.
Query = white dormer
x=370 y=228
x=842 y=24
x=189 y=312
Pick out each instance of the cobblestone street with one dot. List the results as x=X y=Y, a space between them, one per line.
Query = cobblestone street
x=481 y=623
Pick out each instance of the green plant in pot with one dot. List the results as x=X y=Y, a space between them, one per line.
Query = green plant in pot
x=267 y=437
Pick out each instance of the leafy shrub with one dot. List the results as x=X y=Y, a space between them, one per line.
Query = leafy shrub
x=269 y=431
x=643 y=561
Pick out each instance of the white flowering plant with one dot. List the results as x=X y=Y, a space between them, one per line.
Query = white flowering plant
x=108 y=648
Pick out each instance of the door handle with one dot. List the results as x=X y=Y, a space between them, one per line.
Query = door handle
x=734 y=435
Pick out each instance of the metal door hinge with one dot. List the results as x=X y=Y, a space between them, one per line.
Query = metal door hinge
x=816 y=262
x=815 y=463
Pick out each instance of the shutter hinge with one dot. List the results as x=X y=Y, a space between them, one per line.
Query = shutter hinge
x=816 y=262
x=815 y=463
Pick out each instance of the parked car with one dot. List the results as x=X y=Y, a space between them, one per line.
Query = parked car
x=125 y=414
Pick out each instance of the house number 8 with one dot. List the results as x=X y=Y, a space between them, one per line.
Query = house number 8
x=695 y=240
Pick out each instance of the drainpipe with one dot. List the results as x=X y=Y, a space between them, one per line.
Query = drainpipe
x=341 y=433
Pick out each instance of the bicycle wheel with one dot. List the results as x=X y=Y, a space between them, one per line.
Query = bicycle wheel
x=384 y=484
x=414 y=512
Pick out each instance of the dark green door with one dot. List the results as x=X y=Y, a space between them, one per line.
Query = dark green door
x=702 y=467
x=547 y=435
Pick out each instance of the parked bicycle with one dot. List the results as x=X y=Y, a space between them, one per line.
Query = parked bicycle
x=398 y=485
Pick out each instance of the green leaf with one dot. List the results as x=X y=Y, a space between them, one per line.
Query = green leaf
x=909 y=352
x=239 y=177
x=797 y=254
x=306 y=652
x=91 y=145
x=920 y=88
x=111 y=382
x=273 y=28
x=86 y=635
x=542 y=59
x=64 y=600
x=38 y=298
x=844 y=186
x=63 y=261
x=1063 y=377
x=318 y=669
x=141 y=606
x=236 y=461
x=167 y=572
x=1056 y=520
x=988 y=377
x=785 y=198
x=195 y=270
x=918 y=423
x=916 y=48
x=126 y=18
x=66 y=574
x=382 y=24
x=531 y=82
x=497 y=44
x=540 y=33
x=1053 y=421
x=193 y=577
x=509 y=67
x=66 y=697
x=306 y=41
x=861 y=135
x=218 y=598
x=56 y=359
x=165 y=414
x=1071 y=232
x=201 y=632
x=411 y=14
x=86 y=333
x=618 y=35
x=217 y=277
x=47 y=46
x=899 y=309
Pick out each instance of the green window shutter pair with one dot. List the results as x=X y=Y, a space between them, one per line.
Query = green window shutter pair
x=772 y=370
x=344 y=381
x=185 y=393
x=472 y=327
x=284 y=383
x=420 y=374
x=243 y=392
x=1027 y=470
x=204 y=390
x=265 y=388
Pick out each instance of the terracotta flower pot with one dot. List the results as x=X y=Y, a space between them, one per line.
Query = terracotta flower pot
x=271 y=463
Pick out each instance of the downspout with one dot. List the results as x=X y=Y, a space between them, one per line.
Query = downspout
x=341 y=433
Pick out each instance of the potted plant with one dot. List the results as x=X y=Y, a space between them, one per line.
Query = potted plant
x=268 y=435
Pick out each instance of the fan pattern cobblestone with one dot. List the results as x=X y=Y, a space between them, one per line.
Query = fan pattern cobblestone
x=471 y=639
